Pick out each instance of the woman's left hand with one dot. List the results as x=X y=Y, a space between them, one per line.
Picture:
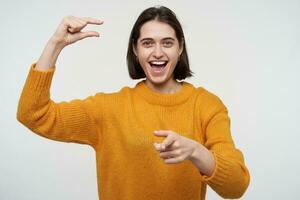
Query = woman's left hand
x=175 y=148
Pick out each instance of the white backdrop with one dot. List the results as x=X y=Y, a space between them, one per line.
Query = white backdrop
x=246 y=52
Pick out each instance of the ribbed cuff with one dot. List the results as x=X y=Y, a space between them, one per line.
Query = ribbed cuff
x=220 y=174
x=39 y=79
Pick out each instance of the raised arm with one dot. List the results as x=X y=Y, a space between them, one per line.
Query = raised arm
x=75 y=121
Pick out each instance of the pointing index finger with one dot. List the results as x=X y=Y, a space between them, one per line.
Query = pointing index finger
x=163 y=133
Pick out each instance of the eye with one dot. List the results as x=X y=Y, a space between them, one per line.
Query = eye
x=147 y=44
x=168 y=43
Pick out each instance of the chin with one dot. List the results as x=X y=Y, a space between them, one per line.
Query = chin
x=158 y=80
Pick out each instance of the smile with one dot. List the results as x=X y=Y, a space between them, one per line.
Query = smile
x=158 y=63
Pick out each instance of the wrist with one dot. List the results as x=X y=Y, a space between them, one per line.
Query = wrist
x=203 y=159
x=55 y=43
x=49 y=55
x=195 y=156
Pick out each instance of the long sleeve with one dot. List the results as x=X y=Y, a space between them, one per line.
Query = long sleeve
x=127 y=162
x=230 y=178
x=76 y=121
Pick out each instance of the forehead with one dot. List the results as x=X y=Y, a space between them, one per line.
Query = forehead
x=156 y=30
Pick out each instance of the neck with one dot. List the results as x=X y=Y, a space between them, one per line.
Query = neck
x=170 y=87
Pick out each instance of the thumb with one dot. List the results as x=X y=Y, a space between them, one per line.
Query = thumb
x=82 y=35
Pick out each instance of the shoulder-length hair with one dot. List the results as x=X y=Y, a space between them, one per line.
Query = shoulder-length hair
x=161 y=14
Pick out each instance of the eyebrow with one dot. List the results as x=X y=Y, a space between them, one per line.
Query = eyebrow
x=167 y=38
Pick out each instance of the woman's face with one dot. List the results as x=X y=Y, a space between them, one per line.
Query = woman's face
x=158 y=51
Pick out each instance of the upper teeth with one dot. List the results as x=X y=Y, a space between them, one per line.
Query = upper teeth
x=158 y=62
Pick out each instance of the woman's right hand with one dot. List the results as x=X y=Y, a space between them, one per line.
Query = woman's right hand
x=69 y=30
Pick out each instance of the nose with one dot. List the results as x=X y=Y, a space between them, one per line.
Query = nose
x=158 y=52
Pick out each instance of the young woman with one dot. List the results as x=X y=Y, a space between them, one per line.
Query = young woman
x=162 y=139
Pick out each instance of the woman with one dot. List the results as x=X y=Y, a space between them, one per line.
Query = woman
x=162 y=139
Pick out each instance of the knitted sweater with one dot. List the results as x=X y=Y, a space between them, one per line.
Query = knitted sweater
x=119 y=126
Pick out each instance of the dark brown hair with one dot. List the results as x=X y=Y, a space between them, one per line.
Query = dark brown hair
x=161 y=14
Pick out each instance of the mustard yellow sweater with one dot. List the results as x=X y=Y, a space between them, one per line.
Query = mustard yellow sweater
x=119 y=126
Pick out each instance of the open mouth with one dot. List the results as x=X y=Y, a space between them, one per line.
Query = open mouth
x=158 y=64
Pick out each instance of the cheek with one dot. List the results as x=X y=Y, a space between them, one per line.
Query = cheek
x=173 y=56
x=143 y=55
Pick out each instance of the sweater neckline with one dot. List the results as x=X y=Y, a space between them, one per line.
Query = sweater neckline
x=154 y=97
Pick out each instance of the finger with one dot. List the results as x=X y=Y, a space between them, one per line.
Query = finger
x=74 y=26
x=168 y=141
x=81 y=22
x=170 y=154
x=162 y=133
x=174 y=160
x=82 y=35
x=90 y=20
x=174 y=145
x=157 y=146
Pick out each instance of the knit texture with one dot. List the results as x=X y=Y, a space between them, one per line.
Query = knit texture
x=119 y=126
